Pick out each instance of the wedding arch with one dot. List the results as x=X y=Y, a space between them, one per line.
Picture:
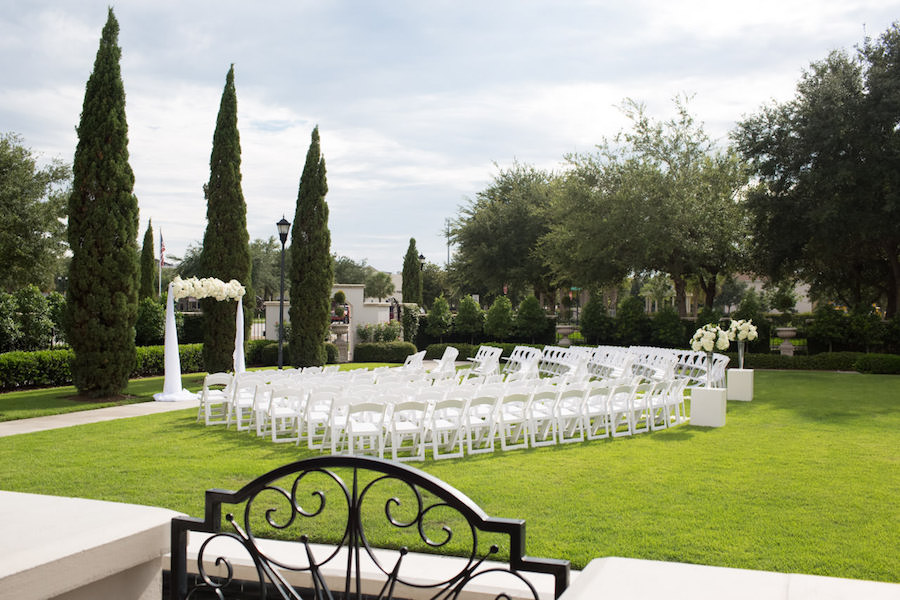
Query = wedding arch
x=207 y=287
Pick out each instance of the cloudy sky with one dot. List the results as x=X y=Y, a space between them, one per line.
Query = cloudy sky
x=418 y=102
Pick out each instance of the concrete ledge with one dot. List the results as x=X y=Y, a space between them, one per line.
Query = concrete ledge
x=72 y=548
x=651 y=580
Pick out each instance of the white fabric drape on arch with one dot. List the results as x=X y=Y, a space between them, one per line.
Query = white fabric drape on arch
x=172 y=390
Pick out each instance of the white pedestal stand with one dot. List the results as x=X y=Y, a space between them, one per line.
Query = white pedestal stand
x=740 y=384
x=708 y=407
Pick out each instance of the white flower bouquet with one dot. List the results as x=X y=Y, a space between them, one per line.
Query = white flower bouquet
x=710 y=337
x=207 y=287
x=742 y=331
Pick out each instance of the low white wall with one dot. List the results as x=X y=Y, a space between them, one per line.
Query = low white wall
x=74 y=549
x=361 y=312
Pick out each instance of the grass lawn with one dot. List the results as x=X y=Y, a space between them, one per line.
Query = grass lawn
x=52 y=401
x=803 y=479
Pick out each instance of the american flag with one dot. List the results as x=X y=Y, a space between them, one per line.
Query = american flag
x=162 y=250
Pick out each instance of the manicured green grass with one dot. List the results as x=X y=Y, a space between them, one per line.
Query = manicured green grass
x=803 y=479
x=53 y=401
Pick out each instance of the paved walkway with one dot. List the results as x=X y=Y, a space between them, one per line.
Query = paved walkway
x=92 y=416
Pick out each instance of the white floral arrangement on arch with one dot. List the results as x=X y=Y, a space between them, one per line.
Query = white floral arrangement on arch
x=207 y=287
x=742 y=331
x=710 y=337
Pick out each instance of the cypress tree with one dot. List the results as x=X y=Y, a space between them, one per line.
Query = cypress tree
x=311 y=269
x=148 y=265
x=412 y=275
x=226 y=242
x=102 y=230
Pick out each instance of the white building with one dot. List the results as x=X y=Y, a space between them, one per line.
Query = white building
x=362 y=312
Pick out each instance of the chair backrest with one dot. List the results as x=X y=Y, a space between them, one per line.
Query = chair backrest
x=449 y=357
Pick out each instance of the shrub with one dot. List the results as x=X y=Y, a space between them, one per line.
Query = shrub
x=888 y=364
x=597 y=327
x=499 y=321
x=667 y=330
x=410 y=322
x=384 y=332
x=150 y=327
x=390 y=352
x=56 y=303
x=365 y=333
x=469 y=319
x=192 y=329
x=35 y=324
x=530 y=318
x=439 y=318
x=9 y=323
x=632 y=323
x=44 y=368
x=331 y=353
x=35 y=369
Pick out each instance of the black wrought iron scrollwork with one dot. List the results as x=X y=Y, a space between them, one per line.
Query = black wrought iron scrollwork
x=298 y=501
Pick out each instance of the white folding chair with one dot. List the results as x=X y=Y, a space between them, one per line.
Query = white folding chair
x=317 y=416
x=596 y=411
x=569 y=411
x=658 y=405
x=240 y=407
x=214 y=398
x=363 y=430
x=542 y=416
x=447 y=428
x=621 y=409
x=286 y=410
x=406 y=430
x=512 y=420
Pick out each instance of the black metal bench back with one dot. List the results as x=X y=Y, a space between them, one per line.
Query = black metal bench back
x=334 y=509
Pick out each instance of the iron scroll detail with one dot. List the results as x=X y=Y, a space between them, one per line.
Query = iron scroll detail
x=335 y=510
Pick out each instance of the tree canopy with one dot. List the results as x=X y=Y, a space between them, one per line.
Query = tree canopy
x=311 y=270
x=226 y=242
x=660 y=197
x=497 y=233
x=103 y=229
x=148 y=282
x=412 y=275
x=33 y=206
x=827 y=202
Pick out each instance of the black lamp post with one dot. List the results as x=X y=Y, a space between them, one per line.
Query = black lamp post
x=283 y=227
x=420 y=299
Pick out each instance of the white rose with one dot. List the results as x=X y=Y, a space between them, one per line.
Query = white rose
x=707 y=344
x=696 y=346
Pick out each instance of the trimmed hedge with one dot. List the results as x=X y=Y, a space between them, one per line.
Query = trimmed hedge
x=264 y=353
x=42 y=368
x=49 y=368
x=389 y=352
x=834 y=361
x=888 y=364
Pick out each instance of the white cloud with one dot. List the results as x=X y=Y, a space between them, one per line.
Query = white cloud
x=415 y=101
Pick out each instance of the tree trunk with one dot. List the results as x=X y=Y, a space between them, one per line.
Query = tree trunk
x=893 y=290
x=680 y=295
x=708 y=284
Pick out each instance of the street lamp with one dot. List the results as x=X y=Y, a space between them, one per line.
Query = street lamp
x=421 y=262
x=283 y=227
